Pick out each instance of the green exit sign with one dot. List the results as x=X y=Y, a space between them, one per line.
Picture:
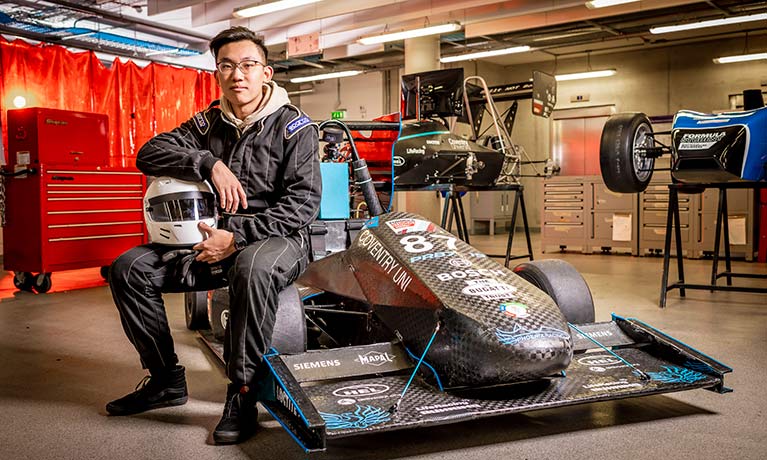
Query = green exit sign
x=338 y=114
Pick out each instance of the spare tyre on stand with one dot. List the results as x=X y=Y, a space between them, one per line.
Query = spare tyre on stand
x=625 y=166
x=562 y=282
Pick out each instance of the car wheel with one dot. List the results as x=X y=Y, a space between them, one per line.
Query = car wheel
x=218 y=312
x=196 y=310
x=562 y=282
x=625 y=169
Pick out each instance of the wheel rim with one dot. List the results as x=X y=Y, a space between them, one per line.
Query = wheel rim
x=643 y=139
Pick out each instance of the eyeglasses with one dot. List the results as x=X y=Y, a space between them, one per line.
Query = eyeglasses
x=246 y=66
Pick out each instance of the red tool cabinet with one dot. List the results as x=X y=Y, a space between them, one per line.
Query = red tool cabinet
x=73 y=211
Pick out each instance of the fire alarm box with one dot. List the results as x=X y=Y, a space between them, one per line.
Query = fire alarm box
x=50 y=136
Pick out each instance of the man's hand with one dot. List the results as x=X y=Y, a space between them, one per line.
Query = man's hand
x=229 y=189
x=217 y=245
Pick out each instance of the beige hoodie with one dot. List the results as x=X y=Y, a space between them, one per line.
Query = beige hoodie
x=274 y=97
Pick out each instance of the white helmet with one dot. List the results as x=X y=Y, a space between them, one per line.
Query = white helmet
x=173 y=207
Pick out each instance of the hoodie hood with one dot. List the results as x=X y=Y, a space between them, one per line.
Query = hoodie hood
x=275 y=97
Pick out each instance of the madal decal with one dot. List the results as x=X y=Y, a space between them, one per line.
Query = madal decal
x=362 y=417
x=375 y=358
x=514 y=310
x=523 y=334
x=488 y=289
x=405 y=226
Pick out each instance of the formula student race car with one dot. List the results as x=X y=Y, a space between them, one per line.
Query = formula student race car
x=705 y=148
x=411 y=327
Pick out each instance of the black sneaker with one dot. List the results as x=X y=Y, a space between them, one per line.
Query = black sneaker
x=153 y=392
x=240 y=417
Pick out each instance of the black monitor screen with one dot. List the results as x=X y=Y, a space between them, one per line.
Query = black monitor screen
x=437 y=93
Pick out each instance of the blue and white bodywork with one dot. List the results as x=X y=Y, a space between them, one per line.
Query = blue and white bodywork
x=723 y=147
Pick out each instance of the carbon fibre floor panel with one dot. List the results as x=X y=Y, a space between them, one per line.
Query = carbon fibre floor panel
x=353 y=407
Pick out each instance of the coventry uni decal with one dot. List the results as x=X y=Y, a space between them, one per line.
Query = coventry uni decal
x=673 y=374
x=522 y=334
x=362 y=417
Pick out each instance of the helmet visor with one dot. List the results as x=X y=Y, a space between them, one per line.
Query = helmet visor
x=182 y=206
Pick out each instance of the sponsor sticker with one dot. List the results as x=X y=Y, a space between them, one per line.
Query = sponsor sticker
x=398 y=161
x=523 y=334
x=457 y=406
x=488 y=289
x=514 y=310
x=621 y=384
x=700 y=141
x=316 y=364
x=364 y=389
x=405 y=226
x=374 y=358
x=433 y=142
x=601 y=363
x=371 y=223
x=385 y=260
x=459 y=262
x=472 y=273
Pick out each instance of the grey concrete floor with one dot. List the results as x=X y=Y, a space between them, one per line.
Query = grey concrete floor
x=63 y=355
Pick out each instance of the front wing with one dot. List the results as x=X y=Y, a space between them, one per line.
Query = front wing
x=326 y=394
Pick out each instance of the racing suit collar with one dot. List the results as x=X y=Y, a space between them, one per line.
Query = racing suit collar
x=274 y=97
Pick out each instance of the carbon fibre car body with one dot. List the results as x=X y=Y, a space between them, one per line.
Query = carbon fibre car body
x=442 y=333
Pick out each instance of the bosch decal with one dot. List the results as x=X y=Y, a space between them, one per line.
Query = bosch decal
x=471 y=273
x=375 y=358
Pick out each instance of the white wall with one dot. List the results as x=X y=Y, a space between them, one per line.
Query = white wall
x=361 y=96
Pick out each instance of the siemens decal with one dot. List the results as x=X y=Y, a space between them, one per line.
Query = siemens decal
x=316 y=364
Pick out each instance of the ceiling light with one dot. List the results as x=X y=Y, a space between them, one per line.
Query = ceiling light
x=422 y=32
x=606 y=3
x=589 y=74
x=740 y=58
x=326 y=76
x=484 y=54
x=269 y=7
x=711 y=23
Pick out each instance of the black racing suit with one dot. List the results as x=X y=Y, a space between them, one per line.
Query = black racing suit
x=276 y=160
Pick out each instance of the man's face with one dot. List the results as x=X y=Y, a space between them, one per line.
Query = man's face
x=242 y=90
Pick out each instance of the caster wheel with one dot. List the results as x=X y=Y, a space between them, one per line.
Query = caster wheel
x=23 y=281
x=42 y=283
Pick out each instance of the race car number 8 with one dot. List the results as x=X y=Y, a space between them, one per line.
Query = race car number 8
x=417 y=243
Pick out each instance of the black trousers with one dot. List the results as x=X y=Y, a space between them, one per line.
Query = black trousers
x=255 y=276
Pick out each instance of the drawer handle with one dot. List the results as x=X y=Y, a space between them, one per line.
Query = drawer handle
x=62 y=178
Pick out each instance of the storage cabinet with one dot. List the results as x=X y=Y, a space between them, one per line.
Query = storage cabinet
x=491 y=207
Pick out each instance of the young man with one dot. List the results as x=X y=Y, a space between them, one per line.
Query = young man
x=261 y=155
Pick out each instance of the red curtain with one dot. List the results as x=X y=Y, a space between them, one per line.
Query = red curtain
x=140 y=102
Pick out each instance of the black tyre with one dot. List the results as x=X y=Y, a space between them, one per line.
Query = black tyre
x=289 y=334
x=196 y=310
x=624 y=168
x=23 y=281
x=104 y=271
x=42 y=283
x=562 y=282
x=218 y=313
